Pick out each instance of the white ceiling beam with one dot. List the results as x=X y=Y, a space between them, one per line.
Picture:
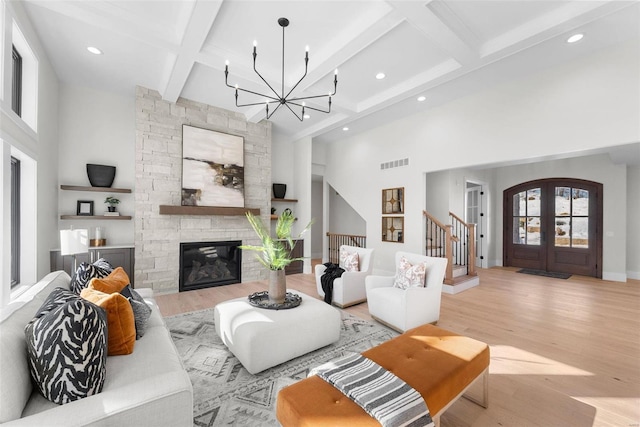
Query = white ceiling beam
x=438 y=23
x=202 y=18
x=415 y=84
x=359 y=36
x=106 y=15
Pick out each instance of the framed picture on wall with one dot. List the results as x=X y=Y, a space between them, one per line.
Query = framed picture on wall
x=212 y=168
x=393 y=201
x=393 y=229
x=84 y=208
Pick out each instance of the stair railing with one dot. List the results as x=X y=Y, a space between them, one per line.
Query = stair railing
x=455 y=242
x=464 y=249
x=439 y=240
x=335 y=240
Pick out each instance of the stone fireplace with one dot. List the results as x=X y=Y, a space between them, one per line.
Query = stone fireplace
x=158 y=235
x=209 y=264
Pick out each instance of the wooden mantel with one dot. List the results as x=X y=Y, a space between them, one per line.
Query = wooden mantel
x=205 y=210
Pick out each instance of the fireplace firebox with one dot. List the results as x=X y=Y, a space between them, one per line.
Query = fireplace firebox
x=209 y=264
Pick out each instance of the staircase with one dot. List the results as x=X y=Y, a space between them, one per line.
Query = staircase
x=456 y=242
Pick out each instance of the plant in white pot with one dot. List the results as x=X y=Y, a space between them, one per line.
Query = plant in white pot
x=275 y=252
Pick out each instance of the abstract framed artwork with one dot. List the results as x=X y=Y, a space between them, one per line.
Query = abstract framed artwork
x=212 y=168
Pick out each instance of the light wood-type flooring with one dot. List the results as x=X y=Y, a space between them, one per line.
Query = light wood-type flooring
x=563 y=352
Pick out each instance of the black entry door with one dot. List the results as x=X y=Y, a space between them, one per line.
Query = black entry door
x=554 y=225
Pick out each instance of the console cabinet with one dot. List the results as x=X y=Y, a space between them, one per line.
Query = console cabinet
x=298 y=252
x=118 y=256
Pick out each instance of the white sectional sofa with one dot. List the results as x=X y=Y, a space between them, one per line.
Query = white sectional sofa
x=149 y=387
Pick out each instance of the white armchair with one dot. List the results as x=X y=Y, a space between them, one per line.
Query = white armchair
x=403 y=309
x=349 y=289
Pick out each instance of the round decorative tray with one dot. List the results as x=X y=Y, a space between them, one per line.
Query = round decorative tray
x=261 y=300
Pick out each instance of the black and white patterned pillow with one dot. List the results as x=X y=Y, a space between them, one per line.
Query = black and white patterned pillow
x=85 y=272
x=141 y=310
x=56 y=298
x=67 y=348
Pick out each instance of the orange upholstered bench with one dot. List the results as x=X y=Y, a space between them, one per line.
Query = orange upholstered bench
x=439 y=364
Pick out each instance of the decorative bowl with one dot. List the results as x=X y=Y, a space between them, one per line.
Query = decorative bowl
x=279 y=190
x=101 y=175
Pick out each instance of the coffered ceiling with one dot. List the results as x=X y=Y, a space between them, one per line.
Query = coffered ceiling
x=437 y=49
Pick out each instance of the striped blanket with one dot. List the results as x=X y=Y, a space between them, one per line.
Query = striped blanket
x=380 y=393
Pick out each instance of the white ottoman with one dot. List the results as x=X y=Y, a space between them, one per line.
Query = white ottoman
x=262 y=338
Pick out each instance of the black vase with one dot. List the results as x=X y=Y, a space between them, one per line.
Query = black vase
x=279 y=190
x=101 y=175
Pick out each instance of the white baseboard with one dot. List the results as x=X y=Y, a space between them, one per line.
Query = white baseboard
x=635 y=275
x=614 y=277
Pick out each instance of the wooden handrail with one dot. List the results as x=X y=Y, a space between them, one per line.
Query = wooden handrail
x=458 y=218
x=434 y=219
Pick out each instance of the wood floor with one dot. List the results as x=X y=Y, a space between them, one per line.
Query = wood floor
x=563 y=352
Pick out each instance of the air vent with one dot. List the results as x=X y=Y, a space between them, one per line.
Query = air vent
x=394 y=164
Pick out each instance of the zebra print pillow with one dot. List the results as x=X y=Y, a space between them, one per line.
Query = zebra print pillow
x=85 y=272
x=67 y=347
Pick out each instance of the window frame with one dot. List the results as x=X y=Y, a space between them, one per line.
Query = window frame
x=16 y=81
x=15 y=222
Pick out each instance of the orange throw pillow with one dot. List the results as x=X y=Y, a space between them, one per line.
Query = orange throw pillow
x=120 y=321
x=113 y=283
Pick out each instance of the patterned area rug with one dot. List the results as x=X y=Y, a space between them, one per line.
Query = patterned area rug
x=226 y=394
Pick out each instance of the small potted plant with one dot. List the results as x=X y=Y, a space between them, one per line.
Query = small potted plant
x=112 y=202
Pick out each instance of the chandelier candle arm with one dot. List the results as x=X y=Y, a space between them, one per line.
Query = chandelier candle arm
x=281 y=99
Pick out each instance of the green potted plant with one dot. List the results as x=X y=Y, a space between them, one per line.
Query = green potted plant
x=275 y=252
x=112 y=202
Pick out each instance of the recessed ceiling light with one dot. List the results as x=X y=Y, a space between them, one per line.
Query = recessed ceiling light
x=345 y=128
x=94 y=50
x=421 y=98
x=380 y=76
x=306 y=116
x=575 y=38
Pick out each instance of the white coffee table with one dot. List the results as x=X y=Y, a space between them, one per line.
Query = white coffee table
x=262 y=338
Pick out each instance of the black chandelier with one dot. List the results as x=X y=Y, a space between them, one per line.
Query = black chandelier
x=281 y=98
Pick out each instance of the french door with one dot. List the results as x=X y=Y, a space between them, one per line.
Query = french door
x=554 y=225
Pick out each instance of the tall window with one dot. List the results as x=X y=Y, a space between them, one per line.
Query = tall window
x=572 y=217
x=526 y=217
x=15 y=221
x=16 y=83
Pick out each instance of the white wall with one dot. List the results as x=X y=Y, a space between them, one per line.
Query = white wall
x=588 y=103
x=282 y=168
x=96 y=127
x=317 y=208
x=343 y=219
x=302 y=177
